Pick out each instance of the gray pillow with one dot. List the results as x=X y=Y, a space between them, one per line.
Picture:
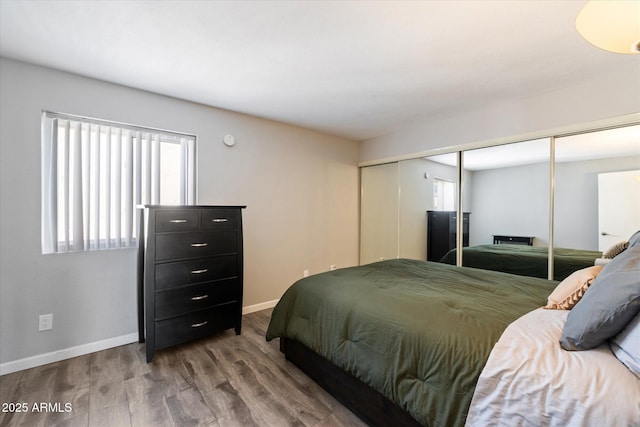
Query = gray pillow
x=634 y=240
x=612 y=300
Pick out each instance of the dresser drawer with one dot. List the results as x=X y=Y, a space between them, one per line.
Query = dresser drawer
x=195 y=325
x=220 y=219
x=195 y=244
x=178 y=220
x=195 y=297
x=175 y=274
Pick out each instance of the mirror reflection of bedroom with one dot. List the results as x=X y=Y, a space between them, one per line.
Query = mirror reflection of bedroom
x=512 y=213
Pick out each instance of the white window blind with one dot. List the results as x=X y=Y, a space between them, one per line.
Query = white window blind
x=95 y=173
x=444 y=194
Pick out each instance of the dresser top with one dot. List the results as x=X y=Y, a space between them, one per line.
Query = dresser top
x=190 y=206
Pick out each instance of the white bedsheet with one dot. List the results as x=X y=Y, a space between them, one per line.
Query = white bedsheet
x=529 y=380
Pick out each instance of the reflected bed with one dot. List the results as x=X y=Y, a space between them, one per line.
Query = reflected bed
x=524 y=260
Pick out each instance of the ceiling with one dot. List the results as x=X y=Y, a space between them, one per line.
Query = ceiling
x=356 y=69
x=603 y=144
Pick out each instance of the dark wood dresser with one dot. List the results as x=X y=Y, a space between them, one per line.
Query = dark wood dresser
x=441 y=233
x=190 y=265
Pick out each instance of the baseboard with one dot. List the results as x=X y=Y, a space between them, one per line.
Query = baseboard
x=81 y=350
x=258 y=307
x=67 y=353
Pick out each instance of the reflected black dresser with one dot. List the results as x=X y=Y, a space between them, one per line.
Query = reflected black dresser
x=441 y=233
x=190 y=264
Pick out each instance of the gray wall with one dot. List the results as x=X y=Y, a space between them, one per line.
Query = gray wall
x=576 y=200
x=416 y=198
x=301 y=189
x=511 y=201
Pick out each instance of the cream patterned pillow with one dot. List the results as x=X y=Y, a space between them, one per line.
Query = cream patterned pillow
x=570 y=290
x=615 y=250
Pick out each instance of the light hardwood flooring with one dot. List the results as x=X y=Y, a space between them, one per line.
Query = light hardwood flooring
x=224 y=380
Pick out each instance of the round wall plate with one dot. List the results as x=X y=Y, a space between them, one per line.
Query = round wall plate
x=229 y=140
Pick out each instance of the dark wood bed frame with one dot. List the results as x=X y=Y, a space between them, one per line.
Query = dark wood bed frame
x=371 y=406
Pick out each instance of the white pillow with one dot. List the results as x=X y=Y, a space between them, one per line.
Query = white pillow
x=570 y=290
x=626 y=345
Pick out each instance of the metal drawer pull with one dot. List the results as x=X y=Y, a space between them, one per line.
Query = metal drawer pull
x=197 y=325
x=205 y=296
x=198 y=245
x=204 y=270
x=177 y=221
x=219 y=220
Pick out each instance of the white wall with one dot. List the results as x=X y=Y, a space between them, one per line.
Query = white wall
x=300 y=188
x=603 y=97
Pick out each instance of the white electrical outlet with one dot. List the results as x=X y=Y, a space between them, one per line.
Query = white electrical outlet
x=305 y=273
x=45 y=322
x=332 y=267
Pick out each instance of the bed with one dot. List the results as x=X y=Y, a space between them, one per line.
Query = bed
x=365 y=319
x=524 y=260
x=404 y=342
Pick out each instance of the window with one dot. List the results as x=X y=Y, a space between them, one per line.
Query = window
x=444 y=192
x=95 y=173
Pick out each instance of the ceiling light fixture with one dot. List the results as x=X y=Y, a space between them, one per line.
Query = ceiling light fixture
x=612 y=25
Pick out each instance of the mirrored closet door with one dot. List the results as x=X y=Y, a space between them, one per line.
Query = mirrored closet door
x=510 y=195
x=506 y=195
x=597 y=193
x=395 y=200
x=428 y=189
x=379 y=212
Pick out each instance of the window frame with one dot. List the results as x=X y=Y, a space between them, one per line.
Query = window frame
x=135 y=145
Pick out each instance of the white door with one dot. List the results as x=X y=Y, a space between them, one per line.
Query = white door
x=618 y=207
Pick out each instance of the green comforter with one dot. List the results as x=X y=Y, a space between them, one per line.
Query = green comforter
x=418 y=332
x=524 y=260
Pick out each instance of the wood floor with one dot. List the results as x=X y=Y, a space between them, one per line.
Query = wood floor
x=225 y=380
